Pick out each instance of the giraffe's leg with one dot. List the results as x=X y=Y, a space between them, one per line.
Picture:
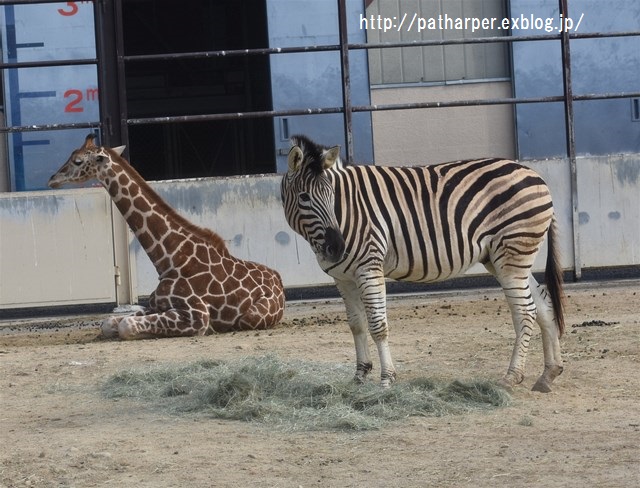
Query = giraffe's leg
x=357 y=318
x=515 y=284
x=263 y=313
x=175 y=322
x=109 y=326
x=255 y=318
x=550 y=337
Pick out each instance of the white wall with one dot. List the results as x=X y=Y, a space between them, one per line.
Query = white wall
x=246 y=212
x=609 y=210
x=56 y=247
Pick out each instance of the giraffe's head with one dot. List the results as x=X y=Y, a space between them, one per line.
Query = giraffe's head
x=85 y=163
x=308 y=197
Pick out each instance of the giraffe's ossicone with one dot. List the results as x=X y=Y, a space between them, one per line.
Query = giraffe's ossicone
x=202 y=286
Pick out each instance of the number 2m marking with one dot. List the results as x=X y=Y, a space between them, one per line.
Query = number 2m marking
x=74 y=104
x=77 y=96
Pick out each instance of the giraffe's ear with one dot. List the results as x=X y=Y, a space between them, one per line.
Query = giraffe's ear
x=295 y=158
x=330 y=156
x=119 y=150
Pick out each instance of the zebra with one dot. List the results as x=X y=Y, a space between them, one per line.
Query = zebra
x=426 y=224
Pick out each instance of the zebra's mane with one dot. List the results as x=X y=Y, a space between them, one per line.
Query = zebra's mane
x=313 y=153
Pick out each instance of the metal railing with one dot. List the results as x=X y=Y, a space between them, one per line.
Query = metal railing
x=343 y=47
x=109 y=42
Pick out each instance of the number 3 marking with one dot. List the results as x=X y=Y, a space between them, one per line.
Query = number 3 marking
x=68 y=13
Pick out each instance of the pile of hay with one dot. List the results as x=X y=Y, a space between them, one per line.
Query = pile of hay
x=297 y=395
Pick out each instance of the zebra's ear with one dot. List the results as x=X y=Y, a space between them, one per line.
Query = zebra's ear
x=295 y=158
x=119 y=150
x=330 y=157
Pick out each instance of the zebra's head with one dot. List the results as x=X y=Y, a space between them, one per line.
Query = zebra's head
x=308 y=197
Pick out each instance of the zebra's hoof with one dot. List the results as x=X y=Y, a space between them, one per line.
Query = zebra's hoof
x=542 y=386
x=359 y=379
x=362 y=370
x=511 y=379
x=387 y=379
x=544 y=382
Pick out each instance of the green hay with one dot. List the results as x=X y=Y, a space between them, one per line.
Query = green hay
x=297 y=395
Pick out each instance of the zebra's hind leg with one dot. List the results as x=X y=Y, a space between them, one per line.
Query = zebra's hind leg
x=357 y=318
x=523 y=314
x=550 y=337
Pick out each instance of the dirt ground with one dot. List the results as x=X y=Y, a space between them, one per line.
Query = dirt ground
x=57 y=430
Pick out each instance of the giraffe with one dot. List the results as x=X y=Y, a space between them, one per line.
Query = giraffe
x=201 y=285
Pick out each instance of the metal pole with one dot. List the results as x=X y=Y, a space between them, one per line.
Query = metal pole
x=120 y=79
x=571 y=139
x=346 y=77
x=103 y=87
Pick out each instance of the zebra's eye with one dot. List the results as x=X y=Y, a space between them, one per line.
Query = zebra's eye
x=305 y=197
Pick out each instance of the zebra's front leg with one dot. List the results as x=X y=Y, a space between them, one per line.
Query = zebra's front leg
x=374 y=298
x=357 y=318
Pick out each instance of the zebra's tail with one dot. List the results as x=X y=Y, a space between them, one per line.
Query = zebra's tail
x=553 y=276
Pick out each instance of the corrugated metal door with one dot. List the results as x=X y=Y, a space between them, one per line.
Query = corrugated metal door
x=313 y=80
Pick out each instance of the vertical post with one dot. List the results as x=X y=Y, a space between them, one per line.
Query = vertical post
x=122 y=90
x=570 y=136
x=110 y=73
x=108 y=31
x=346 y=77
x=15 y=118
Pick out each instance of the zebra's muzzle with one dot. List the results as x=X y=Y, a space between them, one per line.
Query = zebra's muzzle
x=333 y=248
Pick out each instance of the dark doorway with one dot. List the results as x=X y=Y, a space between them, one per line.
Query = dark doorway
x=198 y=86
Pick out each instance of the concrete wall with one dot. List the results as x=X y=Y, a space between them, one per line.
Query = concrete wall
x=56 y=247
x=445 y=134
x=246 y=212
x=609 y=210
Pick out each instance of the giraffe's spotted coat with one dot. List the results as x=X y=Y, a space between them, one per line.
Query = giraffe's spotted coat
x=201 y=284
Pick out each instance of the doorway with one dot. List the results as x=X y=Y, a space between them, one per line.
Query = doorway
x=159 y=88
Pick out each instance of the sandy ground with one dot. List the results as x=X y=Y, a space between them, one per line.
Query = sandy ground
x=59 y=431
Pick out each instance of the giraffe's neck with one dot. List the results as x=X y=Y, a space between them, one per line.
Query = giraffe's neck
x=159 y=229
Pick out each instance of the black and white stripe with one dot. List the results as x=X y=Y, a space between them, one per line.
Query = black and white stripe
x=424 y=224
